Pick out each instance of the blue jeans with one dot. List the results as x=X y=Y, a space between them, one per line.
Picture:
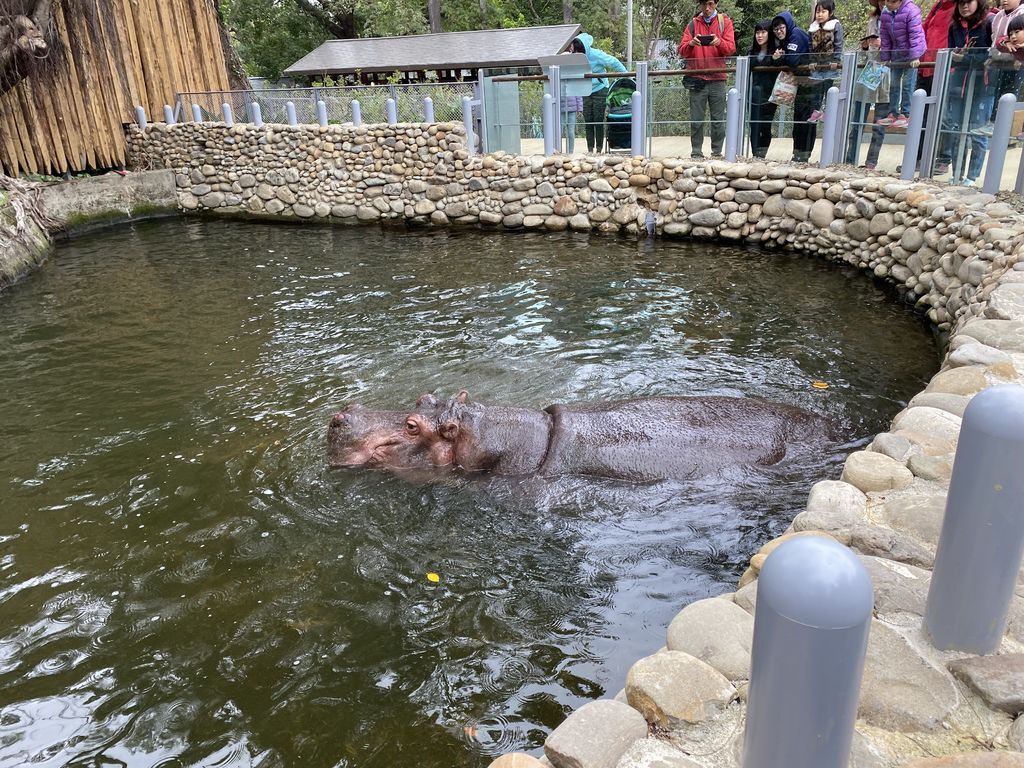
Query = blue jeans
x=963 y=116
x=903 y=78
x=569 y=130
x=859 y=117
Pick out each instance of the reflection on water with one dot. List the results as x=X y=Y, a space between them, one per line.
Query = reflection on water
x=183 y=580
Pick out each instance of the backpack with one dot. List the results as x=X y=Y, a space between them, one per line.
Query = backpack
x=721 y=26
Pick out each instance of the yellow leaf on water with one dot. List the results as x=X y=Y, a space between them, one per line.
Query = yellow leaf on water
x=819 y=384
x=433 y=577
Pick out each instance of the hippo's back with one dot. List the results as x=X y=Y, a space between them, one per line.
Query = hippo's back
x=672 y=437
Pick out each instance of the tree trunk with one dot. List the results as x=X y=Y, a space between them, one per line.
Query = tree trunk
x=483 y=14
x=567 y=11
x=434 y=13
x=27 y=37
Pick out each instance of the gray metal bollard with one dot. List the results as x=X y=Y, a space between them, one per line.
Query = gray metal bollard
x=257 y=114
x=229 y=118
x=814 y=604
x=467 y=123
x=636 y=124
x=428 y=109
x=732 y=125
x=392 y=109
x=289 y=108
x=321 y=113
x=999 y=143
x=917 y=102
x=140 y=117
x=197 y=113
x=357 y=113
x=982 y=539
x=546 y=128
x=168 y=114
x=828 y=133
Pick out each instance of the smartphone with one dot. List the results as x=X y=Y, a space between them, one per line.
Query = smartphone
x=706 y=39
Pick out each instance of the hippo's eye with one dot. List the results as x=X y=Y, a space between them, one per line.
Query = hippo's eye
x=412 y=428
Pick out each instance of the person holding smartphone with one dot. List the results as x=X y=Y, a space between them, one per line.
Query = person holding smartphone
x=707 y=40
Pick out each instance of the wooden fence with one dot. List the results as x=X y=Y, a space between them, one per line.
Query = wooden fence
x=136 y=52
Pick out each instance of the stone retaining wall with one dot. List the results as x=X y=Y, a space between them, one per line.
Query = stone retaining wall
x=954 y=252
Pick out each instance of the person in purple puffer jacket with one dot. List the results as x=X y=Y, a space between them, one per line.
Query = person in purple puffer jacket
x=902 y=45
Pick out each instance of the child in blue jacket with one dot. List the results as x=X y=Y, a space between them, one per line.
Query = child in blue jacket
x=595 y=104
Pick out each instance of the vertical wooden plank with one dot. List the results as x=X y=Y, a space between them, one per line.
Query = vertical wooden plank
x=13 y=161
x=130 y=31
x=76 y=84
x=27 y=150
x=37 y=130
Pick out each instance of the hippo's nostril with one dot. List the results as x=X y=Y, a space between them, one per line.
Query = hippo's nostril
x=338 y=420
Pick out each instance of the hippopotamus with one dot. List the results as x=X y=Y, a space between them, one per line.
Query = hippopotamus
x=642 y=439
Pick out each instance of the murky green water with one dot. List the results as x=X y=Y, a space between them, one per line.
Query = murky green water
x=182 y=581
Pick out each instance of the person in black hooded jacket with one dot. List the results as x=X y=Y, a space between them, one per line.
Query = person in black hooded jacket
x=793 y=49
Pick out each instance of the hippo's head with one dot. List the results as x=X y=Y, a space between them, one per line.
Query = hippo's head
x=364 y=437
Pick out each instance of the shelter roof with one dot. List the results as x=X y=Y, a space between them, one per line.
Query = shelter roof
x=445 y=50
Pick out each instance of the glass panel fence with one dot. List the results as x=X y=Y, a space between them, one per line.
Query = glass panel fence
x=973 y=87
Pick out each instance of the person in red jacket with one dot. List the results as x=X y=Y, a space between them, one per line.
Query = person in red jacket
x=708 y=39
x=936 y=30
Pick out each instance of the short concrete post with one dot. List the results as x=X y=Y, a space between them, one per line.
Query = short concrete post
x=197 y=113
x=289 y=108
x=636 y=124
x=917 y=103
x=428 y=109
x=546 y=129
x=229 y=118
x=357 y=113
x=392 y=109
x=168 y=114
x=467 y=123
x=732 y=124
x=321 y=113
x=828 y=134
x=1000 y=142
x=982 y=539
x=814 y=604
x=140 y=117
x=257 y=115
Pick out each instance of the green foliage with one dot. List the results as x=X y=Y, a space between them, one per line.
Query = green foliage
x=391 y=18
x=270 y=35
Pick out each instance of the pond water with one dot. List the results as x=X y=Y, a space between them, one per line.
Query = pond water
x=183 y=581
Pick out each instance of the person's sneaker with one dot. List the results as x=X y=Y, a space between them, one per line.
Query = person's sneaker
x=900 y=122
x=1020 y=136
x=869 y=166
x=941 y=168
x=717 y=156
x=985 y=130
x=816 y=116
x=969 y=182
x=887 y=120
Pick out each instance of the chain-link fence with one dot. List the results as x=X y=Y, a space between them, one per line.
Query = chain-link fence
x=447 y=98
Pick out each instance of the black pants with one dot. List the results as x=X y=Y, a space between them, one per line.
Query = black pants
x=594 y=107
x=808 y=98
x=762 y=112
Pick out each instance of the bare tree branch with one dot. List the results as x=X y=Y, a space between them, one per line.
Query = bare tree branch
x=342 y=25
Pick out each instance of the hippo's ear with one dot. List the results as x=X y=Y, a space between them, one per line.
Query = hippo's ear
x=449 y=430
x=428 y=400
x=462 y=397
